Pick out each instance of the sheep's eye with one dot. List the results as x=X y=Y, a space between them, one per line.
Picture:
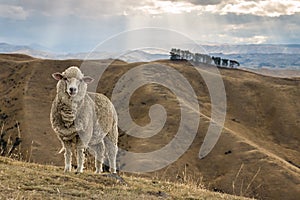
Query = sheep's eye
x=80 y=80
x=65 y=78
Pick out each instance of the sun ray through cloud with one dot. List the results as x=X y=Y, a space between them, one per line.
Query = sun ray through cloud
x=78 y=25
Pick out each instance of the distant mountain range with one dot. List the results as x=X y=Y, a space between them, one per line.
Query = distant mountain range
x=254 y=49
x=249 y=56
x=40 y=52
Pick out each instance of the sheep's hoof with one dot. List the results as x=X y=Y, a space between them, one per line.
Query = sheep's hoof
x=67 y=170
x=79 y=172
x=98 y=171
x=113 y=171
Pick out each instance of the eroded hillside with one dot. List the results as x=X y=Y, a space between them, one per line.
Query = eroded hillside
x=257 y=155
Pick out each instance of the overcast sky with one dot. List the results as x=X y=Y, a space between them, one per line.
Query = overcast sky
x=79 y=25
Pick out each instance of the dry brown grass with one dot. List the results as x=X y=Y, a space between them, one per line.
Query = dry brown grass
x=20 y=180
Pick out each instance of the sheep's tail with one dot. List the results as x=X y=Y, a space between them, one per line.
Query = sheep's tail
x=62 y=150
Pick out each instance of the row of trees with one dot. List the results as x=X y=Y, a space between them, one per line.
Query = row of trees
x=178 y=54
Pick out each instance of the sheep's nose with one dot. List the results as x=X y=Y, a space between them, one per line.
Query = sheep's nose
x=73 y=90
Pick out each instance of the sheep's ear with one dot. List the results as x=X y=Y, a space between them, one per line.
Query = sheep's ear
x=88 y=79
x=57 y=76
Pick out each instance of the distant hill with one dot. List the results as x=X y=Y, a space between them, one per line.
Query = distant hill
x=257 y=155
x=7 y=48
x=249 y=56
x=256 y=56
x=253 y=48
x=41 y=52
x=265 y=60
x=33 y=50
x=129 y=56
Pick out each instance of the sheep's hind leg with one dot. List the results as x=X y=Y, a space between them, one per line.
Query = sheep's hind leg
x=111 y=150
x=68 y=156
x=99 y=156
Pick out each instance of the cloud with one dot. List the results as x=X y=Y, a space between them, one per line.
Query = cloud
x=92 y=9
x=96 y=9
x=13 y=12
x=256 y=39
x=200 y=2
x=76 y=25
x=157 y=7
x=266 y=8
x=271 y=8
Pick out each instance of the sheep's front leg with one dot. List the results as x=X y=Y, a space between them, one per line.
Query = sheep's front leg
x=80 y=159
x=80 y=155
x=68 y=156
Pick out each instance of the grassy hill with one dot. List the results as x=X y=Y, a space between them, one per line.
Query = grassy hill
x=20 y=180
x=257 y=155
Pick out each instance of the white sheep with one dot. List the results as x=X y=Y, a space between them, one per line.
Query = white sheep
x=84 y=119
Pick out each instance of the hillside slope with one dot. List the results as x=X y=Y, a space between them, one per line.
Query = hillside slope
x=257 y=155
x=21 y=180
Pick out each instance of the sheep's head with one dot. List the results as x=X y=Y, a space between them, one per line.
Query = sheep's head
x=72 y=81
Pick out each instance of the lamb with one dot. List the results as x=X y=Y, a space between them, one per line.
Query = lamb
x=86 y=119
